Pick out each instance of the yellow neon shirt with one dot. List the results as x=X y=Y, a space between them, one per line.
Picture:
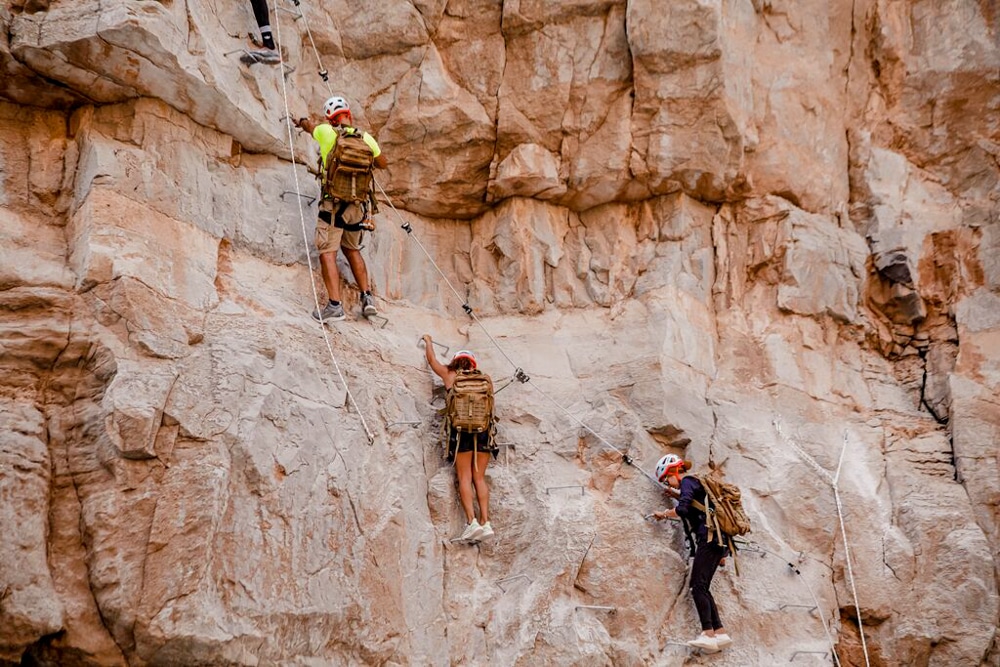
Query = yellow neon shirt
x=326 y=136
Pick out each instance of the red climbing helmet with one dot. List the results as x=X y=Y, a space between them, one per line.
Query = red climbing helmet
x=335 y=107
x=465 y=354
x=671 y=464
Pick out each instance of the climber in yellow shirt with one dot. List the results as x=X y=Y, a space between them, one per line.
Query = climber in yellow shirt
x=343 y=209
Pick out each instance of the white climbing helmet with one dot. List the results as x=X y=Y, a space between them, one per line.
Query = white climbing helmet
x=465 y=354
x=668 y=465
x=335 y=106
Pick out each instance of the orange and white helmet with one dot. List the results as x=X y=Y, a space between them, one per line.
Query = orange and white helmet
x=335 y=107
x=671 y=464
x=465 y=354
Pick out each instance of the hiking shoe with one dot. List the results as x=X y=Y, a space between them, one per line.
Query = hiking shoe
x=266 y=56
x=331 y=313
x=722 y=640
x=471 y=532
x=705 y=643
x=487 y=531
x=368 y=305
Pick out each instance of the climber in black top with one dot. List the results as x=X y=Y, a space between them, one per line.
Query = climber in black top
x=671 y=470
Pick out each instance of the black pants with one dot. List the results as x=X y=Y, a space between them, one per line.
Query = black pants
x=263 y=21
x=260 y=12
x=706 y=562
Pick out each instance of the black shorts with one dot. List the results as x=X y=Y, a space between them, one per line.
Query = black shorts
x=467 y=442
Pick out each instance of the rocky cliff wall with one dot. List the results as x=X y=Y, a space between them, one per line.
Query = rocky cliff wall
x=759 y=232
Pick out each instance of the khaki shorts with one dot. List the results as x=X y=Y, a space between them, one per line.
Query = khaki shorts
x=330 y=238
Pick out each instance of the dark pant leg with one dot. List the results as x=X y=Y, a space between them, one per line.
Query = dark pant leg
x=706 y=562
x=263 y=21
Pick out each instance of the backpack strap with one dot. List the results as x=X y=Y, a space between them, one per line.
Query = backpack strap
x=714 y=534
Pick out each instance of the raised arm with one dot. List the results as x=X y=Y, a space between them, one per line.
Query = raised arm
x=306 y=124
x=436 y=366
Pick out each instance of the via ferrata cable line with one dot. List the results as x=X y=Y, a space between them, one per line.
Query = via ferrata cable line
x=519 y=374
x=751 y=546
x=305 y=236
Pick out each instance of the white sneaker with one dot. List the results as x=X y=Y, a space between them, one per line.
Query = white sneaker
x=705 y=643
x=722 y=640
x=487 y=531
x=471 y=532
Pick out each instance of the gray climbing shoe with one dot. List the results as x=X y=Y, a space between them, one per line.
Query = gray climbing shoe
x=266 y=56
x=330 y=314
x=368 y=305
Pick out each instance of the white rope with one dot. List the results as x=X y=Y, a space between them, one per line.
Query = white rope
x=834 y=481
x=847 y=554
x=820 y=470
x=305 y=235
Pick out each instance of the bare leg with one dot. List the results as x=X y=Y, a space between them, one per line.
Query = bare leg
x=482 y=488
x=358 y=267
x=463 y=467
x=331 y=276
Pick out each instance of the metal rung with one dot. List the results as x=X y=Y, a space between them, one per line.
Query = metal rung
x=810 y=607
x=413 y=424
x=289 y=192
x=568 y=486
x=795 y=655
x=294 y=13
x=501 y=582
x=610 y=610
x=442 y=346
x=385 y=321
x=505 y=444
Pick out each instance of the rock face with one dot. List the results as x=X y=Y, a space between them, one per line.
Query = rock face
x=759 y=233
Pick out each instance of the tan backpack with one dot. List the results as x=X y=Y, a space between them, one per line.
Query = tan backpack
x=348 y=175
x=469 y=403
x=725 y=516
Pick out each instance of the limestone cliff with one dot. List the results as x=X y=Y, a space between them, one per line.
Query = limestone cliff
x=760 y=232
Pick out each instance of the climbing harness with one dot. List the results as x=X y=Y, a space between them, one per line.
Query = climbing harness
x=305 y=238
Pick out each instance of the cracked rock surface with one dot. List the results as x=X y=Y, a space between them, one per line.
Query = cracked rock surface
x=759 y=232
